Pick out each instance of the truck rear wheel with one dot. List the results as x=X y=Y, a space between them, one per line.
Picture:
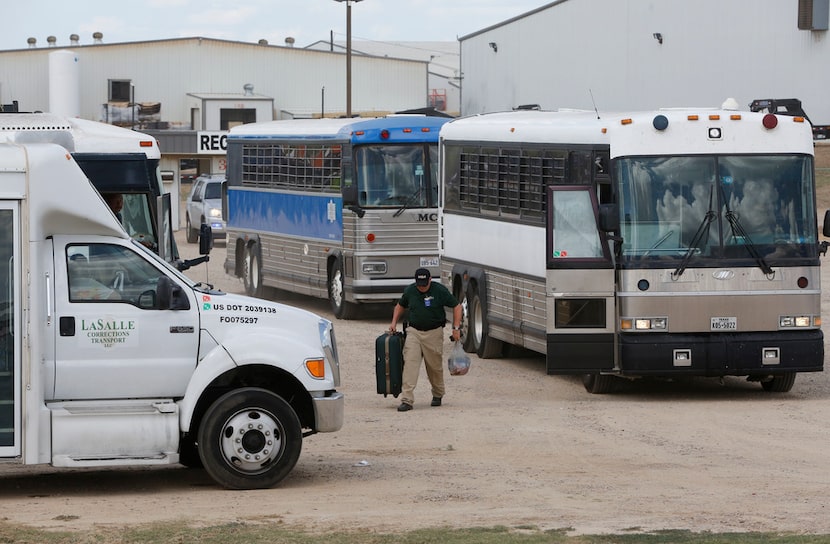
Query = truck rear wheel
x=250 y=439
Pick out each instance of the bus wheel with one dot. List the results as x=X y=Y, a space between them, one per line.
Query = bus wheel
x=192 y=235
x=252 y=276
x=337 y=292
x=485 y=346
x=598 y=384
x=467 y=339
x=250 y=439
x=780 y=383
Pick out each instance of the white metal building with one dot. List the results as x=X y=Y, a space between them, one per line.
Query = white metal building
x=643 y=54
x=189 y=91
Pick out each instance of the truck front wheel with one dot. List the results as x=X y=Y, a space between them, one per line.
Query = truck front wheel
x=250 y=439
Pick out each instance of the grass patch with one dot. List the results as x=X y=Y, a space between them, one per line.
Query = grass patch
x=270 y=533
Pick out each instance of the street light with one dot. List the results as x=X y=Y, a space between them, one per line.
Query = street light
x=348 y=54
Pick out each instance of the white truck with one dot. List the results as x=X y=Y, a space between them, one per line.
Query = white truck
x=109 y=356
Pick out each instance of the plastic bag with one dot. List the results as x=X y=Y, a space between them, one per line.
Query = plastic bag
x=458 y=362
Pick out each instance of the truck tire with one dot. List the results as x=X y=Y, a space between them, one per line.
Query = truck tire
x=252 y=272
x=249 y=439
x=192 y=235
x=341 y=308
x=780 y=383
x=480 y=341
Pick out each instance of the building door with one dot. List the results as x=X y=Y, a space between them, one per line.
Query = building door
x=9 y=339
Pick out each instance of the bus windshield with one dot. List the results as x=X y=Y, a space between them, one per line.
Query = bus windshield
x=396 y=175
x=716 y=207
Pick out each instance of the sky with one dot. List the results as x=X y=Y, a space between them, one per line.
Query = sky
x=306 y=21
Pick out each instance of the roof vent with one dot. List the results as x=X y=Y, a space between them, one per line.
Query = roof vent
x=51 y=40
x=98 y=37
x=289 y=41
x=74 y=39
x=263 y=41
x=32 y=43
x=249 y=89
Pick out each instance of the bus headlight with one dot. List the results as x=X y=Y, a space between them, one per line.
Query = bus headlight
x=794 y=321
x=374 y=268
x=644 y=323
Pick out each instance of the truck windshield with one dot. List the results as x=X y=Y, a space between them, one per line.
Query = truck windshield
x=396 y=175
x=707 y=209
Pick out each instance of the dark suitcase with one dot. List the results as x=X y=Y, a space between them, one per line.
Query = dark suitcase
x=389 y=363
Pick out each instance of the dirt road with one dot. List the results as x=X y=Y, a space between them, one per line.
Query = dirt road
x=510 y=446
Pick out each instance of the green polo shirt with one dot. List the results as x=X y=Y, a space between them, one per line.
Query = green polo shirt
x=426 y=310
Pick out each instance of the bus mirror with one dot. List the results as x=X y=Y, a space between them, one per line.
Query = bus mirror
x=349 y=195
x=609 y=218
x=826 y=228
x=205 y=239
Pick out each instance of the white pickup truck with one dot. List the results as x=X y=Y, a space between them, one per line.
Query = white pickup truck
x=109 y=356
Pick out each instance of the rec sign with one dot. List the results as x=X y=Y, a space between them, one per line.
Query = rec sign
x=212 y=142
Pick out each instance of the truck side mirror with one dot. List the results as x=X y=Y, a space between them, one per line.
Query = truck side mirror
x=170 y=295
x=826 y=228
x=205 y=239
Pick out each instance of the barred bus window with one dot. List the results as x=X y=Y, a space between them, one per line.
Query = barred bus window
x=290 y=166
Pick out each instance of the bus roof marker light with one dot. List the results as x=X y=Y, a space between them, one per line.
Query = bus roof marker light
x=384 y=134
x=407 y=130
x=770 y=121
x=370 y=237
x=693 y=117
x=424 y=129
x=626 y=121
x=660 y=122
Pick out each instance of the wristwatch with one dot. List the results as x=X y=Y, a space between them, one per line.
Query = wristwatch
x=456 y=328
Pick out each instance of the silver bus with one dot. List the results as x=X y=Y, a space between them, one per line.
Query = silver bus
x=672 y=243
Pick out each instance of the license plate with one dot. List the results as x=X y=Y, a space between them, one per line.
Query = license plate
x=724 y=324
x=430 y=262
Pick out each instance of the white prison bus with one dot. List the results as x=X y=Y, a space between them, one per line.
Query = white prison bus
x=337 y=208
x=116 y=160
x=672 y=243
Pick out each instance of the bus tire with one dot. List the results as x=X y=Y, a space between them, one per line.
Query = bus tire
x=250 y=439
x=598 y=384
x=780 y=383
x=252 y=273
x=191 y=235
x=480 y=341
x=341 y=308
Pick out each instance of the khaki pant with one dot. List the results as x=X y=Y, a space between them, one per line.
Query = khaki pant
x=428 y=345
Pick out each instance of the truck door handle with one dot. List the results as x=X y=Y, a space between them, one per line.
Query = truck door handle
x=67 y=326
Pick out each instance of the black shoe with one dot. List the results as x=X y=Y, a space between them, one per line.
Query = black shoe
x=436 y=401
x=404 y=407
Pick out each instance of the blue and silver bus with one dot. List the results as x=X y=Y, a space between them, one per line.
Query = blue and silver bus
x=344 y=209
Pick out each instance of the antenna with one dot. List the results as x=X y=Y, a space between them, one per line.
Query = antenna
x=594 y=102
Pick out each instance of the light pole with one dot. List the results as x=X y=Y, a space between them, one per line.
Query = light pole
x=348 y=55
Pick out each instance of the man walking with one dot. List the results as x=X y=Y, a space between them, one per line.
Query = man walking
x=425 y=337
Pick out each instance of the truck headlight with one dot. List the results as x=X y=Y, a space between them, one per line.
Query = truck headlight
x=215 y=212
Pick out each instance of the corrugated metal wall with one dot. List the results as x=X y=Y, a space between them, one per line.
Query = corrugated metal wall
x=711 y=49
x=165 y=71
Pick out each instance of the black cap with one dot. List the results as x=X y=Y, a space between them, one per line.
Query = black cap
x=422 y=277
